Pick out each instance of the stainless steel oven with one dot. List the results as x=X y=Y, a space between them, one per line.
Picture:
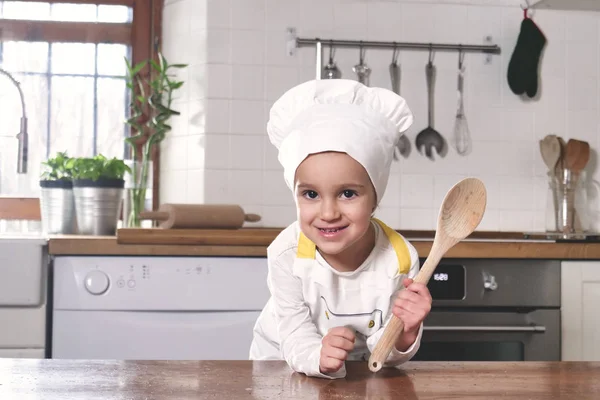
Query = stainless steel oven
x=493 y=310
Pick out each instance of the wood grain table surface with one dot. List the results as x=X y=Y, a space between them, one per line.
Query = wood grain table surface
x=48 y=379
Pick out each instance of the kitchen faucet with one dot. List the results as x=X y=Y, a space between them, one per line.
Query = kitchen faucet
x=22 y=135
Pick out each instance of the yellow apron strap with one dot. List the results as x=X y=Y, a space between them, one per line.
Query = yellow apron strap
x=399 y=246
x=306 y=248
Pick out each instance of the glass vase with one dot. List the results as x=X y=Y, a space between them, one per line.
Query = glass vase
x=566 y=203
x=137 y=195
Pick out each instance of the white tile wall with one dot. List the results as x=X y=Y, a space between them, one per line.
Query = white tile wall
x=219 y=151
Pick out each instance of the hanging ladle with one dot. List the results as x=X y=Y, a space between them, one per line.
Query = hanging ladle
x=395 y=72
x=429 y=138
x=361 y=70
x=403 y=145
x=331 y=70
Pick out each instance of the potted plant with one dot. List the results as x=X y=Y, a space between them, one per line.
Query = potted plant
x=56 y=196
x=151 y=109
x=98 y=192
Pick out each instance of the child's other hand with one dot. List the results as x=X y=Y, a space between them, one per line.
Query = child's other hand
x=412 y=305
x=338 y=342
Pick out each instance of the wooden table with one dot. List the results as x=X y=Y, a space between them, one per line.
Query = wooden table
x=23 y=379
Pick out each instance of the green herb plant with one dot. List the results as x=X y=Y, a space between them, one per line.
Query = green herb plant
x=57 y=168
x=151 y=110
x=98 y=167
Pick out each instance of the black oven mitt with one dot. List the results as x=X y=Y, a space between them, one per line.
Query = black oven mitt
x=523 y=65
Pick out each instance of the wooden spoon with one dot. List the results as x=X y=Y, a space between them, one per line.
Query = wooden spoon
x=577 y=155
x=560 y=165
x=460 y=213
x=550 y=149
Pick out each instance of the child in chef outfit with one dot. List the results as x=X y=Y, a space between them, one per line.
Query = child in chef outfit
x=336 y=275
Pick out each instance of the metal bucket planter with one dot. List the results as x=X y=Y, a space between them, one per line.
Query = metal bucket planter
x=98 y=205
x=57 y=207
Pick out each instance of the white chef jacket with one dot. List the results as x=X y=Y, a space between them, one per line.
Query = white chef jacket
x=309 y=297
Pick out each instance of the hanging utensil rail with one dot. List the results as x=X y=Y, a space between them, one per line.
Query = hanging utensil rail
x=296 y=42
x=304 y=42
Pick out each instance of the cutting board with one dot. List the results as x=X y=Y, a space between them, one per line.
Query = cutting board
x=203 y=237
x=258 y=236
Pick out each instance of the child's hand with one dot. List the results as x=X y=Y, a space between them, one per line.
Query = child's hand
x=412 y=306
x=338 y=342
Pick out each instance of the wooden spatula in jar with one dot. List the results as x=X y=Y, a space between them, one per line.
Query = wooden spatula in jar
x=550 y=149
x=560 y=165
x=460 y=213
x=577 y=155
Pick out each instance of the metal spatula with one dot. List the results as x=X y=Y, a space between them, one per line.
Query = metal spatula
x=429 y=139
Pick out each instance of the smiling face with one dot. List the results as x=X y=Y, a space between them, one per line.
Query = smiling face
x=335 y=200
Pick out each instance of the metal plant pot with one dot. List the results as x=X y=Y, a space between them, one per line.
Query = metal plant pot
x=57 y=207
x=98 y=205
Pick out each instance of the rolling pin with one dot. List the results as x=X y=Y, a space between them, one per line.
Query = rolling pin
x=200 y=216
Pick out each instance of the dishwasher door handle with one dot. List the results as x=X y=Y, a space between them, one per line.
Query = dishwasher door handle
x=476 y=328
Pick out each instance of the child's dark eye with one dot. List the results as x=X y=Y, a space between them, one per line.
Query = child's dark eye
x=311 y=194
x=349 y=194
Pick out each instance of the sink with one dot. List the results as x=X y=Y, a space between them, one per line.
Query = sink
x=21 y=230
x=38 y=239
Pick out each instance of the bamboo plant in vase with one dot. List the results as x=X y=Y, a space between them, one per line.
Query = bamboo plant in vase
x=151 y=109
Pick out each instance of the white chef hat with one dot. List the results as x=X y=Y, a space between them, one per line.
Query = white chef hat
x=339 y=115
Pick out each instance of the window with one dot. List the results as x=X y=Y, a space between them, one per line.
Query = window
x=69 y=59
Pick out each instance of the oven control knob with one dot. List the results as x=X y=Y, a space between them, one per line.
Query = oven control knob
x=489 y=282
x=96 y=282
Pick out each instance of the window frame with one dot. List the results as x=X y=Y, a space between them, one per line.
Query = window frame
x=143 y=34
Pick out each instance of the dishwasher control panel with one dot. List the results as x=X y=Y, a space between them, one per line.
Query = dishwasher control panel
x=160 y=283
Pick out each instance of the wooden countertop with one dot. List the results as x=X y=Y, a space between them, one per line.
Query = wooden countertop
x=182 y=380
x=253 y=243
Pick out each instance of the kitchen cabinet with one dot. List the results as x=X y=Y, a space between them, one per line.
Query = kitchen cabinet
x=579 y=312
x=23 y=288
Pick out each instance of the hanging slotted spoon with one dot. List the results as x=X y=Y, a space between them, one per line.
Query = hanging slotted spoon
x=429 y=138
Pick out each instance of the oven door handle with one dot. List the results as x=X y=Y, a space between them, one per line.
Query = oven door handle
x=472 y=328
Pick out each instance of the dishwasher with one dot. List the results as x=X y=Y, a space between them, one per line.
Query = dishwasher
x=156 y=308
